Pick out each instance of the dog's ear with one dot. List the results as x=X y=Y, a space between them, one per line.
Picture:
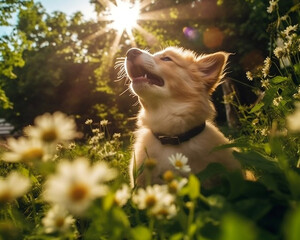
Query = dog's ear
x=211 y=69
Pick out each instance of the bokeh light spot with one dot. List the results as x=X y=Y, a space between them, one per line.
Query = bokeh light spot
x=213 y=38
x=190 y=33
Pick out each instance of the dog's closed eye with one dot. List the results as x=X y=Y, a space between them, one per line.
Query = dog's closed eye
x=166 y=59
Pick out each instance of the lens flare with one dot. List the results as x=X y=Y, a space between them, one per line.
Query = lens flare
x=213 y=37
x=191 y=33
x=124 y=15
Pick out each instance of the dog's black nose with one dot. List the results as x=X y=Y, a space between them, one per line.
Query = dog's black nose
x=132 y=53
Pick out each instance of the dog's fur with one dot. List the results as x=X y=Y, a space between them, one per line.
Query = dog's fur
x=182 y=103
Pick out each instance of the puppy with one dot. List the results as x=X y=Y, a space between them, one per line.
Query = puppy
x=174 y=88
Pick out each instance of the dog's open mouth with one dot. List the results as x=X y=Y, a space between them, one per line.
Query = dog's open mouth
x=138 y=75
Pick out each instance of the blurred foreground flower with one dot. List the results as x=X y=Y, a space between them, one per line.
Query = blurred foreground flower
x=164 y=210
x=156 y=199
x=293 y=120
x=176 y=185
x=13 y=186
x=122 y=195
x=57 y=219
x=24 y=150
x=76 y=184
x=56 y=128
x=179 y=161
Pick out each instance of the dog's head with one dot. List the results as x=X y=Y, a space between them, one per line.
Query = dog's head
x=173 y=73
x=175 y=76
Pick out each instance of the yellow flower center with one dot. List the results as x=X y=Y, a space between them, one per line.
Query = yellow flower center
x=178 y=163
x=49 y=135
x=78 y=192
x=168 y=176
x=60 y=222
x=150 y=201
x=5 y=196
x=33 y=154
x=150 y=163
x=173 y=187
x=163 y=212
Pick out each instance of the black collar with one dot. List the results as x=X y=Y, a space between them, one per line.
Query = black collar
x=176 y=140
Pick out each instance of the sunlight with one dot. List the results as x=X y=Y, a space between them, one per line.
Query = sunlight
x=124 y=15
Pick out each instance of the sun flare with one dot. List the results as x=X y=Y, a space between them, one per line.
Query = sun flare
x=123 y=18
x=124 y=15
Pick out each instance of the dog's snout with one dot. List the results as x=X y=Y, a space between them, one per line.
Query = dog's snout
x=133 y=53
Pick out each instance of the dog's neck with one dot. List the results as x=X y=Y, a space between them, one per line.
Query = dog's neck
x=174 y=118
x=181 y=138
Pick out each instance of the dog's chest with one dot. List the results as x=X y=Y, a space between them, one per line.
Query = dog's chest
x=196 y=150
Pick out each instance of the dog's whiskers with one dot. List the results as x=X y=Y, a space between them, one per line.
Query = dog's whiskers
x=135 y=104
x=127 y=89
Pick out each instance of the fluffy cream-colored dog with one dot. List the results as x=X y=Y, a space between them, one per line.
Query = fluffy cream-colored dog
x=174 y=87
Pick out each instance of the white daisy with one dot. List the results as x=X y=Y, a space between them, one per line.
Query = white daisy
x=176 y=185
x=164 y=210
x=24 y=150
x=13 y=186
x=53 y=128
x=272 y=6
x=277 y=100
x=266 y=68
x=88 y=121
x=122 y=195
x=293 y=120
x=76 y=184
x=279 y=52
x=265 y=83
x=117 y=135
x=57 y=219
x=249 y=75
x=297 y=95
x=152 y=196
x=104 y=123
x=179 y=161
x=289 y=29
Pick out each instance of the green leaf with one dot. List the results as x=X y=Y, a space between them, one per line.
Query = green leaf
x=194 y=187
x=278 y=79
x=120 y=217
x=212 y=170
x=108 y=201
x=140 y=232
x=177 y=236
x=256 y=160
x=237 y=228
x=292 y=230
x=294 y=180
x=257 y=107
x=297 y=69
x=272 y=175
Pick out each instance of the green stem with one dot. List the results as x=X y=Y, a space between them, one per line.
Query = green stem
x=278 y=69
x=34 y=209
x=245 y=84
x=190 y=217
x=151 y=225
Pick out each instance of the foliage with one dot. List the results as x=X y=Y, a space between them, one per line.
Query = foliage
x=11 y=47
x=68 y=63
